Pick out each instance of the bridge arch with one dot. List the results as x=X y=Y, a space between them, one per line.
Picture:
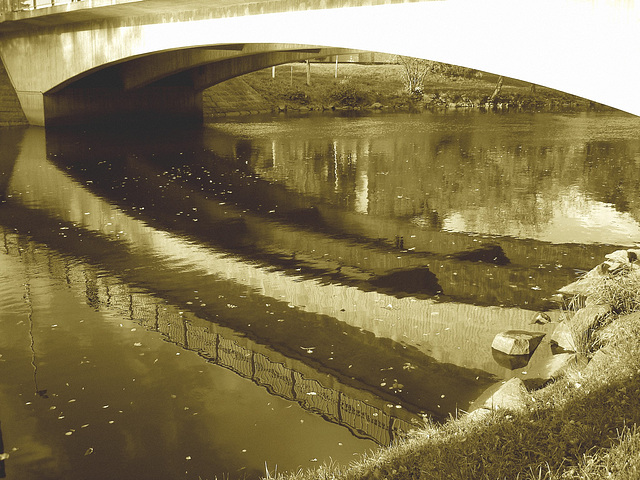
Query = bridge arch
x=166 y=85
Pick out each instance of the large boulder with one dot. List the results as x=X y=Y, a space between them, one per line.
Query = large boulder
x=517 y=342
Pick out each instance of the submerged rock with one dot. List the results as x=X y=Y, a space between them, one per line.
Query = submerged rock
x=487 y=254
x=414 y=280
x=512 y=362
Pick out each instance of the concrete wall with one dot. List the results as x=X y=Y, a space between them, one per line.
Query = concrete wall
x=230 y=98
x=10 y=110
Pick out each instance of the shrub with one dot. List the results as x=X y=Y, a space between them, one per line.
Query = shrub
x=296 y=96
x=347 y=94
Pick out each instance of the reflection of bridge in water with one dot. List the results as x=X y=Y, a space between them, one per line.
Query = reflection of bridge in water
x=452 y=333
x=289 y=228
x=83 y=215
x=365 y=415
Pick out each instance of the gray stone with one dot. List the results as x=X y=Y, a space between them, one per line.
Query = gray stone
x=616 y=262
x=589 y=317
x=517 y=342
x=510 y=396
x=619 y=256
x=600 y=359
x=564 y=337
x=569 y=334
x=479 y=414
x=557 y=365
x=585 y=284
x=541 y=319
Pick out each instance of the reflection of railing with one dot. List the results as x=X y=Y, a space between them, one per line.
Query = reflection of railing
x=363 y=419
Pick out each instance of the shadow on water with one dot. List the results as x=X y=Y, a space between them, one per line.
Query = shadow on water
x=415 y=280
x=230 y=207
x=10 y=139
x=349 y=315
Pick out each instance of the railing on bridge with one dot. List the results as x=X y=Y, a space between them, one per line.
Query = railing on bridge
x=23 y=5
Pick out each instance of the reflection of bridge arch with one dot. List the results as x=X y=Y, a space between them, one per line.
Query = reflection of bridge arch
x=548 y=42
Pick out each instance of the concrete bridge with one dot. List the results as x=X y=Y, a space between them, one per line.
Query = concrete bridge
x=95 y=60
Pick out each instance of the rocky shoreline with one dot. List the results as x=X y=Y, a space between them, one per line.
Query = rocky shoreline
x=588 y=306
x=577 y=421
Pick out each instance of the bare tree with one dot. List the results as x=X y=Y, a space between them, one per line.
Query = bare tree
x=415 y=69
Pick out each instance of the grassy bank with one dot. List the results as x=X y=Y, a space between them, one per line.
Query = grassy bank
x=381 y=86
x=581 y=425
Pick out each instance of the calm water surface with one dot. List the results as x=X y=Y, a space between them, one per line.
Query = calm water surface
x=280 y=291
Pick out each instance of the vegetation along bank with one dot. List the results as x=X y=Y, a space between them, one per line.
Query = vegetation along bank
x=403 y=87
x=580 y=423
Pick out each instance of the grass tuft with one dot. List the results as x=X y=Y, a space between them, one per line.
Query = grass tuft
x=621 y=290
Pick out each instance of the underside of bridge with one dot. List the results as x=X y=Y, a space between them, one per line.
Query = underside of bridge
x=164 y=87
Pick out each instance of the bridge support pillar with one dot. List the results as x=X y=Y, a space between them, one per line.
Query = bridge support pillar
x=32 y=104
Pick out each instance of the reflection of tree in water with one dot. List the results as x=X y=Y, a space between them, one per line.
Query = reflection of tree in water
x=611 y=174
x=502 y=182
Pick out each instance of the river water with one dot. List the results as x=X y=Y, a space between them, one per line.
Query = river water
x=280 y=292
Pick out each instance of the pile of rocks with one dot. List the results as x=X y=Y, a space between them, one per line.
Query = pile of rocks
x=587 y=310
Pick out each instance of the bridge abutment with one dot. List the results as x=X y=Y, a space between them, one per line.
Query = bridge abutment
x=10 y=110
